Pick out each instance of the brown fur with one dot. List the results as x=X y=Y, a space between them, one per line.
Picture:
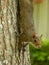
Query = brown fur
x=27 y=23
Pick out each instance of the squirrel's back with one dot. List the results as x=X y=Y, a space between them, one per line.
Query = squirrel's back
x=26 y=17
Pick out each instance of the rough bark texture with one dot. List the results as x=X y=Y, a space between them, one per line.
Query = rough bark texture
x=8 y=32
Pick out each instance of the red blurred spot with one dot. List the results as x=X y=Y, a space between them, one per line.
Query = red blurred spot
x=38 y=1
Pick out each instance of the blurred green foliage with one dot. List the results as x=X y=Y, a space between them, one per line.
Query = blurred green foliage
x=40 y=56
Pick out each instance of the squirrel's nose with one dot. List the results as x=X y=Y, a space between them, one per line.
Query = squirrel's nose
x=39 y=46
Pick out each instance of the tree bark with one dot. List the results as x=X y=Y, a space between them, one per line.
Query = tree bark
x=8 y=35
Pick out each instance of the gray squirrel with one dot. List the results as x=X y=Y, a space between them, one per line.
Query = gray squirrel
x=25 y=23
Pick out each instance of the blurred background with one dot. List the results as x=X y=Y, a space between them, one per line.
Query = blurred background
x=41 y=19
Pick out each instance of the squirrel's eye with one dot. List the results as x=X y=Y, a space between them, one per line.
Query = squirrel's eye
x=35 y=41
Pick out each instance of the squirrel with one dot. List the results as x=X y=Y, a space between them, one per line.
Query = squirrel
x=26 y=27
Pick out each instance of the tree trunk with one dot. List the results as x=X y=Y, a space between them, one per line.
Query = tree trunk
x=8 y=35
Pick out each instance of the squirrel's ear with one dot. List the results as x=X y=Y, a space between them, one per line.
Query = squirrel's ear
x=41 y=35
x=34 y=35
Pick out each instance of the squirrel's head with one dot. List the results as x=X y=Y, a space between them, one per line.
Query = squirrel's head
x=37 y=40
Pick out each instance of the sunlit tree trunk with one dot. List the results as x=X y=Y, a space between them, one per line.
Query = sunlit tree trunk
x=8 y=33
